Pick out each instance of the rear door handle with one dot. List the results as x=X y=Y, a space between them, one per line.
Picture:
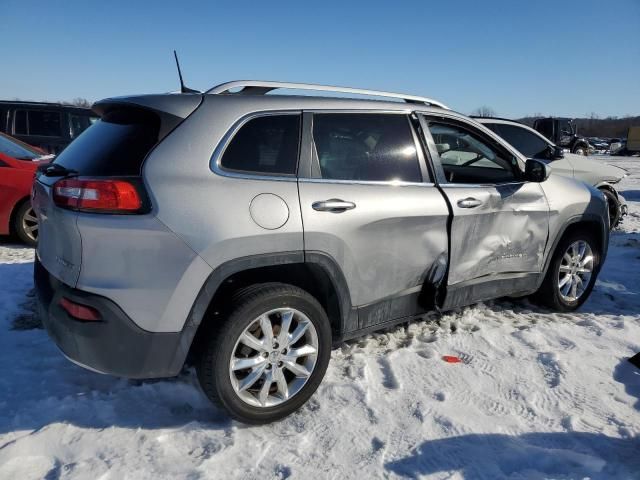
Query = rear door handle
x=334 y=205
x=469 y=202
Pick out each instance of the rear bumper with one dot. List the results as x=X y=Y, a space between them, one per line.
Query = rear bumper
x=114 y=345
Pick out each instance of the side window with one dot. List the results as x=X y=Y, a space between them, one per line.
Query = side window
x=20 y=123
x=265 y=145
x=79 y=123
x=526 y=142
x=545 y=127
x=44 y=123
x=366 y=147
x=467 y=157
x=3 y=120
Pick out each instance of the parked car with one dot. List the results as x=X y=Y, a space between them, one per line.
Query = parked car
x=563 y=132
x=630 y=145
x=49 y=126
x=599 y=145
x=533 y=145
x=18 y=163
x=251 y=232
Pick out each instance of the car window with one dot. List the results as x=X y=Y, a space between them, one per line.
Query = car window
x=79 y=123
x=44 y=123
x=267 y=145
x=116 y=145
x=565 y=127
x=366 y=147
x=20 y=123
x=467 y=157
x=526 y=142
x=15 y=149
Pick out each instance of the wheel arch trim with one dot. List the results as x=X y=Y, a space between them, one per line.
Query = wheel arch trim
x=583 y=218
x=224 y=271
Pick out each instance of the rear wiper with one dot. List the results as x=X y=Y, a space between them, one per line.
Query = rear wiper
x=56 y=170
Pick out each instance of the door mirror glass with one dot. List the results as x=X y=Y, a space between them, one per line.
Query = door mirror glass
x=536 y=171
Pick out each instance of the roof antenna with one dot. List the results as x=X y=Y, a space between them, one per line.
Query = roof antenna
x=183 y=88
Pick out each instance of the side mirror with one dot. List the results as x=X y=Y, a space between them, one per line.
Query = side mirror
x=557 y=153
x=536 y=171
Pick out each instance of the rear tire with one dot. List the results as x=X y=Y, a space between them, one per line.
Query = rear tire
x=278 y=378
x=25 y=224
x=566 y=270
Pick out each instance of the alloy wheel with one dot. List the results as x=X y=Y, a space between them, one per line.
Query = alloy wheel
x=576 y=268
x=274 y=357
x=30 y=224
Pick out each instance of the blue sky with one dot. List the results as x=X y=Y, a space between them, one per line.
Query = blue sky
x=560 y=57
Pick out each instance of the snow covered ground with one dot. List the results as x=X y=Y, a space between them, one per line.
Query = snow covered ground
x=540 y=395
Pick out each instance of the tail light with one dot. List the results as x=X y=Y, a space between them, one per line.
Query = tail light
x=97 y=195
x=79 y=311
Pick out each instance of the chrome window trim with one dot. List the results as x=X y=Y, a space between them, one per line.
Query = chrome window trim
x=216 y=158
x=404 y=111
x=389 y=183
x=414 y=134
x=481 y=185
x=474 y=123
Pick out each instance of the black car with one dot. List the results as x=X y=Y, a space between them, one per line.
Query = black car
x=49 y=126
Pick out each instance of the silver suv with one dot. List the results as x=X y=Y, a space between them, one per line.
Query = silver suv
x=248 y=233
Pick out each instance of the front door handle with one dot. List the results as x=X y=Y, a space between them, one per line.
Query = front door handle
x=334 y=205
x=469 y=202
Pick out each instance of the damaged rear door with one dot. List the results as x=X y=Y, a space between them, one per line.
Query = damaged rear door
x=500 y=222
x=368 y=203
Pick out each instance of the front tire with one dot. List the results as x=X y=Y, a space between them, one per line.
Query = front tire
x=614 y=208
x=581 y=151
x=269 y=356
x=572 y=273
x=25 y=224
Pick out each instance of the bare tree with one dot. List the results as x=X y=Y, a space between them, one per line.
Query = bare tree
x=484 y=111
x=81 y=102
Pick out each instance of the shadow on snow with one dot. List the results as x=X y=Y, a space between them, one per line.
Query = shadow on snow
x=532 y=455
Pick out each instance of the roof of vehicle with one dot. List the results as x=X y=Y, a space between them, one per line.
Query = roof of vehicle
x=506 y=121
x=181 y=104
x=24 y=103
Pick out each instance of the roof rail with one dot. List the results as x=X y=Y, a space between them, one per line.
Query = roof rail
x=254 y=87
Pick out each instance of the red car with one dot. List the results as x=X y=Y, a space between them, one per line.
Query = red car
x=18 y=163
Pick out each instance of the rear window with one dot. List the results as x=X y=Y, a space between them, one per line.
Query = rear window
x=115 y=145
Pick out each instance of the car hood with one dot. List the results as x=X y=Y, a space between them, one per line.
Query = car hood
x=607 y=172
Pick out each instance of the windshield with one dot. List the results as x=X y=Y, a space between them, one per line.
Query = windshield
x=15 y=149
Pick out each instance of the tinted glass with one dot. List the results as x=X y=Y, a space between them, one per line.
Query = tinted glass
x=44 y=123
x=17 y=149
x=369 y=147
x=20 y=125
x=526 y=142
x=467 y=157
x=265 y=145
x=115 y=145
x=3 y=120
